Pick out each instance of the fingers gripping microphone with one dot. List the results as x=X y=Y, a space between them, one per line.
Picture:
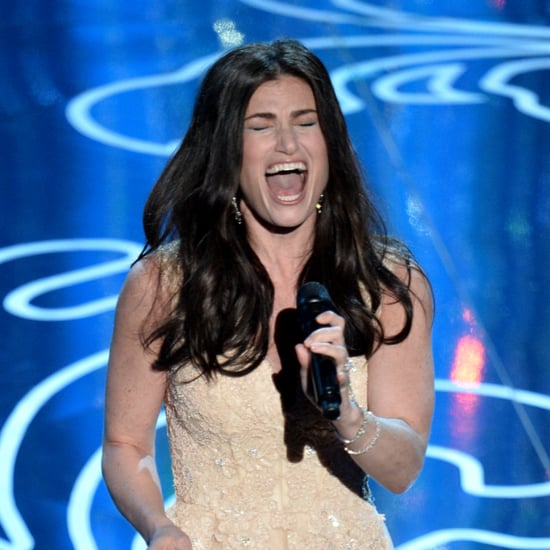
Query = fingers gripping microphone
x=313 y=299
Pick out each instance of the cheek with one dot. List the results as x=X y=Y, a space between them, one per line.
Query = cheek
x=253 y=161
x=250 y=154
x=246 y=162
x=319 y=146
x=324 y=170
x=249 y=180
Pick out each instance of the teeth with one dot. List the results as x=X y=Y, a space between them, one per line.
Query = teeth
x=286 y=167
x=288 y=198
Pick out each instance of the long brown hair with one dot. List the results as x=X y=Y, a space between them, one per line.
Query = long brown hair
x=225 y=297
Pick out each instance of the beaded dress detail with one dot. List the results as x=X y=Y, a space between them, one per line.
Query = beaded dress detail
x=255 y=465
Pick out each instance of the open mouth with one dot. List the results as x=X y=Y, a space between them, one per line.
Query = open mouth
x=286 y=180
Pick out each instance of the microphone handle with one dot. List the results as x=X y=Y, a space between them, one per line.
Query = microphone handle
x=312 y=300
x=326 y=390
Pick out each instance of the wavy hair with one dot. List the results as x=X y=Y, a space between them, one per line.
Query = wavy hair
x=224 y=299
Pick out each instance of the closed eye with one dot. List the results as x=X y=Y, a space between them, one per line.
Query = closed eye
x=259 y=121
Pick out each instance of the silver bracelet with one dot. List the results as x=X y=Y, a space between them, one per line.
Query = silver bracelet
x=372 y=442
x=360 y=432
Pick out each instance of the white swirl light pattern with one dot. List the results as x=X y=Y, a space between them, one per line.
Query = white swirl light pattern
x=18 y=303
x=461 y=41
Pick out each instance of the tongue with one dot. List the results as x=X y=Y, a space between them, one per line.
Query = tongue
x=285 y=184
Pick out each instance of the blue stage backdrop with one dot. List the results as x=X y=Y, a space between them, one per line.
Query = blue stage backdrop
x=448 y=104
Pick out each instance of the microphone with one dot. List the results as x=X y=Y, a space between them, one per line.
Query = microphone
x=312 y=300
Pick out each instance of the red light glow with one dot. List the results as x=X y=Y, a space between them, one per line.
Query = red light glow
x=469 y=361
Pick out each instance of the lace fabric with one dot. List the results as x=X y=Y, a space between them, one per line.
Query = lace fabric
x=256 y=466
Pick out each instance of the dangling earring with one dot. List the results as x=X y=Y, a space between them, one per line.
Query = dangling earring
x=320 y=203
x=237 y=215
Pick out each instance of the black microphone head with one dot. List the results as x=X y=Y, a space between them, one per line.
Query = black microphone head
x=312 y=300
x=312 y=292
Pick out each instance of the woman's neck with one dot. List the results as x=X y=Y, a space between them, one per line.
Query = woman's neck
x=283 y=254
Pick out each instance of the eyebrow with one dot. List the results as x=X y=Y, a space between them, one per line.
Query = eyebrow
x=271 y=116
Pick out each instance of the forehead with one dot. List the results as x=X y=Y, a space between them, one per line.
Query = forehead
x=286 y=92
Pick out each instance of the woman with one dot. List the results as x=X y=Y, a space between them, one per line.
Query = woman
x=263 y=195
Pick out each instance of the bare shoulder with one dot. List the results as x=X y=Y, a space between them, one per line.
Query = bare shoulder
x=419 y=287
x=149 y=288
x=139 y=291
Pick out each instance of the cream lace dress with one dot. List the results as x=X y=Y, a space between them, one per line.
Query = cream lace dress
x=256 y=466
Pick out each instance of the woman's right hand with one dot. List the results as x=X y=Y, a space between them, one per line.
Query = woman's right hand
x=169 y=537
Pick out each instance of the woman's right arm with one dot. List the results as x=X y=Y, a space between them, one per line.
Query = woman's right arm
x=134 y=396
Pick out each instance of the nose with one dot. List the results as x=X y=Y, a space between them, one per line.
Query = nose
x=286 y=140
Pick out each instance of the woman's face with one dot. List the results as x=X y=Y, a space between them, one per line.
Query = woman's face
x=285 y=166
